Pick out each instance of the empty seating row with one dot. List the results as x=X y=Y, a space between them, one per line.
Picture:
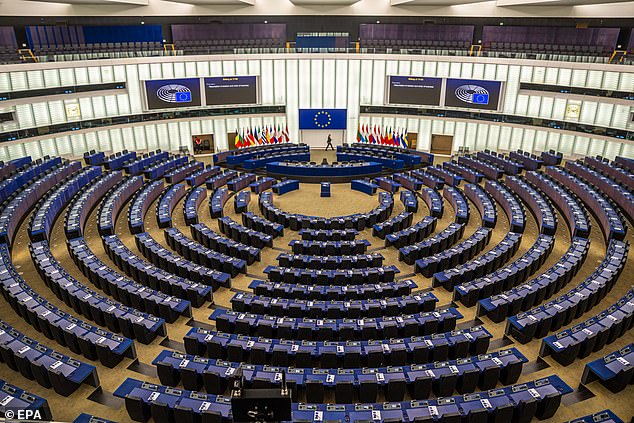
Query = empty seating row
x=239 y=233
x=113 y=203
x=488 y=170
x=387 y=183
x=260 y=224
x=408 y=181
x=617 y=193
x=241 y=202
x=415 y=233
x=614 y=371
x=386 y=160
x=625 y=163
x=94 y=158
x=166 y=203
x=364 y=185
x=394 y=224
x=481 y=265
x=333 y=309
x=96 y=307
x=407 y=156
x=525 y=296
x=198 y=253
x=540 y=398
x=348 y=354
x=551 y=157
x=616 y=173
x=508 y=165
x=123 y=289
x=140 y=204
x=210 y=239
x=138 y=165
x=78 y=212
x=271 y=149
x=447 y=176
x=51 y=205
x=25 y=175
x=593 y=334
x=158 y=170
x=36 y=361
x=434 y=202
x=409 y=200
x=328 y=234
x=262 y=184
x=117 y=160
x=552 y=315
x=442 y=377
x=89 y=418
x=220 y=179
x=283 y=187
x=453 y=256
x=329 y=248
x=18 y=206
x=528 y=160
x=574 y=213
x=604 y=416
x=171 y=262
x=484 y=204
x=193 y=199
x=510 y=204
x=150 y=275
x=432 y=245
x=240 y=182
x=358 y=261
x=355 y=221
x=261 y=160
x=179 y=174
x=217 y=202
x=368 y=275
x=80 y=337
x=430 y=180
x=18 y=399
x=333 y=292
x=610 y=220
x=539 y=206
x=200 y=176
x=304 y=328
x=459 y=202
x=468 y=174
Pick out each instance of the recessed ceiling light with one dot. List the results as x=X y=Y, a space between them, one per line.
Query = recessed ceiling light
x=266 y=22
x=378 y=22
x=501 y=23
x=142 y=23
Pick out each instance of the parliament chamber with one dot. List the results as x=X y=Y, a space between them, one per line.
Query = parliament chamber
x=333 y=211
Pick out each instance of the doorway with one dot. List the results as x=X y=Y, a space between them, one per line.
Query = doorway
x=203 y=143
x=442 y=144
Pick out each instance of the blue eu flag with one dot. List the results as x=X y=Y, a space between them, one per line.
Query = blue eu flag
x=322 y=118
x=183 y=97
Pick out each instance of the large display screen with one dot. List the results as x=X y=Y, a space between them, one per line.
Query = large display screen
x=173 y=93
x=414 y=90
x=227 y=90
x=472 y=94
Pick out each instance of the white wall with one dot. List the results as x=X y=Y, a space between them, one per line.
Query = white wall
x=318 y=81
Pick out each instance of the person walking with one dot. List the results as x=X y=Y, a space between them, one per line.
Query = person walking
x=329 y=143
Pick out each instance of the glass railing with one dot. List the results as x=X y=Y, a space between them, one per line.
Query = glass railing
x=619 y=58
x=138 y=118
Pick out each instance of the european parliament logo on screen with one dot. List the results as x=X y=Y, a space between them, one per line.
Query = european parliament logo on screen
x=472 y=94
x=172 y=93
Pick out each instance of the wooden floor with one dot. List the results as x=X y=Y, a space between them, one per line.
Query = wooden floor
x=585 y=400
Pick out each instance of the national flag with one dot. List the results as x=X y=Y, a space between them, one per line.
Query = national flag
x=371 y=136
x=252 y=137
x=238 y=141
x=287 y=137
x=267 y=135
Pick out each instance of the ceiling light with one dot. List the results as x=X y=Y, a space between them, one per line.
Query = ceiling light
x=266 y=22
x=378 y=22
x=142 y=23
x=501 y=23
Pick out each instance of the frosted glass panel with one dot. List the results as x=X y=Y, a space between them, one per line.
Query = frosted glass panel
x=91 y=140
x=559 y=108
x=588 y=112
x=541 y=138
x=581 y=145
x=279 y=81
x=595 y=79
x=454 y=69
x=621 y=116
x=551 y=75
x=534 y=103
x=5 y=82
x=24 y=115
x=328 y=72
x=63 y=146
x=604 y=114
x=482 y=137
x=116 y=139
x=546 y=107
x=566 y=143
x=529 y=140
x=516 y=140
x=35 y=79
x=341 y=84
x=139 y=138
x=85 y=107
x=267 y=82
x=626 y=82
x=378 y=82
x=99 y=107
x=316 y=83
x=564 y=76
x=467 y=70
x=579 y=77
x=610 y=81
x=18 y=81
x=94 y=75
x=304 y=84
x=32 y=149
x=40 y=112
x=57 y=111
x=51 y=78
